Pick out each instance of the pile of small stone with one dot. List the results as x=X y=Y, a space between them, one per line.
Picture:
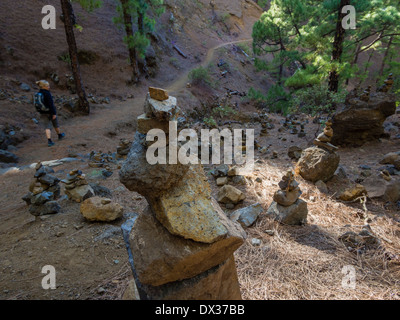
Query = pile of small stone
x=264 y=128
x=98 y=159
x=123 y=148
x=287 y=208
x=43 y=192
x=360 y=242
x=76 y=187
x=324 y=139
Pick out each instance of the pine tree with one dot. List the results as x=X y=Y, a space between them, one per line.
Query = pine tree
x=69 y=23
x=137 y=17
x=309 y=34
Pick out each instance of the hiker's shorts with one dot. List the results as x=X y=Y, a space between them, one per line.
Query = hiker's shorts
x=47 y=122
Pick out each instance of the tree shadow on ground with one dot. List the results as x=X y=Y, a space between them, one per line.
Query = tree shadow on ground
x=314 y=236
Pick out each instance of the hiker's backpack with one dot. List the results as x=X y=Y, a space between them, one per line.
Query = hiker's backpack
x=38 y=102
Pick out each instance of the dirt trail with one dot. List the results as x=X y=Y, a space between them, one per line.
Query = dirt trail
x=92 y=131
x=183 y=80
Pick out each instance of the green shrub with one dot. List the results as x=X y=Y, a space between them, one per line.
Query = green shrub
x=316 y=99
x=303 y=78
x=210 y=122
x=223 y=111
x=244 y=47
x=276 y=99
x=200 y=75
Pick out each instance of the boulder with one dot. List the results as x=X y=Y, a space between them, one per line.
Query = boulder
x=25 y=87
x=294 y=152
x=80 y=193
x=375 y=186
x=221 y=171
x=221 y=181
x=8 y=157
x=353 y=193
x=358 y=121
x=390 y=158
x=155 y=265
x=295 y=214
x=187 y=210
x=101 y=191
x=161 y=110
x=317 y=164
x=218 y=283
x=230 y=194
x=392 y=192
x=321 y=186
x=140 y=176
x=247 y=216
x=239 y=180
x=50 y=207
x=101 y=209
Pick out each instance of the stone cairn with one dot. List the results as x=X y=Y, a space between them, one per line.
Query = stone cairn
x=287 y=208
x=324 y=139
x=319 y=162
x=181 y=247
x=98 y=159
x=123 y=148
x=76 y=187
x=43 y=192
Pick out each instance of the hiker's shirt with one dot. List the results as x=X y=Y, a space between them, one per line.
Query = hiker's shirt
x=48 y=102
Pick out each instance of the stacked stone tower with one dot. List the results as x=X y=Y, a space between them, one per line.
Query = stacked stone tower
x=287 y=208
x=182 y=245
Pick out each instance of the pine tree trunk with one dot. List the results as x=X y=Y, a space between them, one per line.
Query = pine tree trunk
x=337 y=47
x=73 y=53
x=129 y=33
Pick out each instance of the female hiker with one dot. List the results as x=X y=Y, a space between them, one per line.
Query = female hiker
x=47 y=110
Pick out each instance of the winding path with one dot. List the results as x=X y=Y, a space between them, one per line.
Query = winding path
x=183 y=79
x=91 y=132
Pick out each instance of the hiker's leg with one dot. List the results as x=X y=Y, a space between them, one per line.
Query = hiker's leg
x=48 y=134
x=56 y=125
x=57 y=129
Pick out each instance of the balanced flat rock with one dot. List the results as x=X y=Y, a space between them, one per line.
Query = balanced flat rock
x=158 y=94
